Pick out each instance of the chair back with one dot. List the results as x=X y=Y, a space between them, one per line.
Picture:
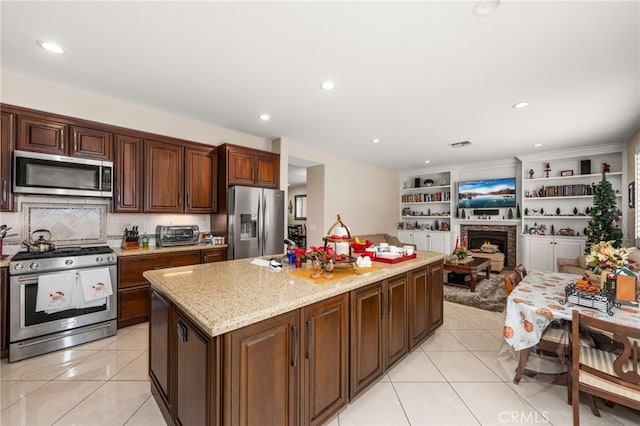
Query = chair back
x=511 y=280
x=609 y=368
x=521 y=271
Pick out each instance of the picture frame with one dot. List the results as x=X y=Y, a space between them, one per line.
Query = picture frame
x=566 y=172
x=632 y=195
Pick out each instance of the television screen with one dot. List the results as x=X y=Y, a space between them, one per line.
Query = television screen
x=487 y=193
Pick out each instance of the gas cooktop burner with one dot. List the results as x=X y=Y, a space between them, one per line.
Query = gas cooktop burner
x=62 y=252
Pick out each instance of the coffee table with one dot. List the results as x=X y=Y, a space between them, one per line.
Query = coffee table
x=472 y=267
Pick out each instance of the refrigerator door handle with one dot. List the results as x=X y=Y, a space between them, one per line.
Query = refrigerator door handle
x=265 y=223
x=260 y=228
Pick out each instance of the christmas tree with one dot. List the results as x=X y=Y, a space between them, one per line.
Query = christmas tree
x=605 y=221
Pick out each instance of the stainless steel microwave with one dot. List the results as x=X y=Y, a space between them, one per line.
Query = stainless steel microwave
x=37 y=173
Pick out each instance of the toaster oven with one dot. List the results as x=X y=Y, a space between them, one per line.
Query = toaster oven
x=177 y=235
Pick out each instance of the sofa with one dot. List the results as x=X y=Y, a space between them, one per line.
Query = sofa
x=392 y=240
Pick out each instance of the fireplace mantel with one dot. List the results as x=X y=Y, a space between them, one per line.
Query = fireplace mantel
x=506 y=222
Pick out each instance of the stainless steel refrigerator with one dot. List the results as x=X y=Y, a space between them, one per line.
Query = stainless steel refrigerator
x=256 y=222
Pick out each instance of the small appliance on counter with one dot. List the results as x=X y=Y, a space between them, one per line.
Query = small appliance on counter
x=177 y=235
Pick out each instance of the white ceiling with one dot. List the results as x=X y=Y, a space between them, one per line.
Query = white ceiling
x=417 y=75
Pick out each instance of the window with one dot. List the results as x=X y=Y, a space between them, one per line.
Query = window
x=301 y=207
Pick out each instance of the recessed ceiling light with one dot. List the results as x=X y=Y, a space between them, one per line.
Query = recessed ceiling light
x=427 y=161
x=50 y=46
x=375 y=140
x=537 y=145
x=485 y=7
x=520 y=105
x=264 y=117
x=328 y=85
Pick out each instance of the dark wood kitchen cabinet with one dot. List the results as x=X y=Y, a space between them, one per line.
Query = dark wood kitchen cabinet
x=133 y=288
x=201 y=180
x=56 y=136
x=218 y=254
x=128 y=175
x=325 y=373
x=379 y=330
x=425 y=302
x=249 y=167
x=4 y=312
x=161 y=345
x=6 y=166
x=261 y=369
x=164 y=177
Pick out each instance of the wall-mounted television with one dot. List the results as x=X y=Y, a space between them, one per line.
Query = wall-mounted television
x=487 y=193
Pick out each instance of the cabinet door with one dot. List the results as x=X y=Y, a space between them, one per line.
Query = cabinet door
x=421 y=240
x=133 y=306
x=261 y=368
x=267 y=168
x=367 y=316
x=435 y=277
x=570 y=248
x=159 y=346
x=437 y=242
x=164 y=177
x=397 y=337
x=4 y=313
x=91 y=143
x=200 y=177
x=325 y=344
x=241 y=168
x=213 y=255
x=406 y=237
x=128 y=175
x=41 y=135
x=419 y=306
x=192 y=373
x=539 y=254
x=6 y=151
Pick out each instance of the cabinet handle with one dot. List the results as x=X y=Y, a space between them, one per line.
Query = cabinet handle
x=188 y=204
x=309 y=339
x=294 y=346
x=390 y=300
x=182 y=331
x=118 y=199
x=179 y=199
x=4 y=190
x=75 y=142
x=62 y=139
x=381 y=304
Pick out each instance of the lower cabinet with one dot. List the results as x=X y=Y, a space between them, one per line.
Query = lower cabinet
x=213 y=255
x=542 y=252
x=426 y=293
x=435 y=274
x=379 y=330
x=261 y=372
x=4 y=312
x=160 y=347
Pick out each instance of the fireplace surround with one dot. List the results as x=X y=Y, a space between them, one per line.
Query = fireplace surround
x=504 y=236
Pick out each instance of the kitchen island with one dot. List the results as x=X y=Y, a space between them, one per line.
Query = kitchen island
x=235 y=343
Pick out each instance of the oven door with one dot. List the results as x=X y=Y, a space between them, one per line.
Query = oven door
x=26 y=322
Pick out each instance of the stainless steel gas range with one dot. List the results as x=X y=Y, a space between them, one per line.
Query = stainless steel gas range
x=61 y=298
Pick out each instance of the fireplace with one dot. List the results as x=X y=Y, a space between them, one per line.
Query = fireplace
x=501 y=235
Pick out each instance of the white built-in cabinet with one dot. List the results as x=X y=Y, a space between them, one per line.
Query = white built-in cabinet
x=542 y=253
x=438 y=241
x=426 y=202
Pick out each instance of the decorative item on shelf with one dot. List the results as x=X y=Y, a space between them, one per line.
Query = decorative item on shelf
x=457 y=212
x=416 y=183
x=518 y=210
x=575 y=210
x=443 y=182
x=547 y=169
x=531 y=172
x=585 y=167
x=558 y=211
x=541 y=211
x=526 y=228
x=464 y=214
x=566 y=172
x=606 y=167
x=567 y=232
x=436 y=225
x=510 y=213
x=428 y=182
x=553 y=232
x=526 y=211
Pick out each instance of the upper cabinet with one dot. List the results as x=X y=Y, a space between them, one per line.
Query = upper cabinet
x=6 y=149
x=200 y=180
x=128 y=189
x=249 y=167
x=51 y=136
x=556 y=200
x=164 y=177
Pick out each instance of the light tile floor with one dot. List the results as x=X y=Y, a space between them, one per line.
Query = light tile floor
x=460 y=376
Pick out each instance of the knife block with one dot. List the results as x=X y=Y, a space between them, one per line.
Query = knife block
x=130 y=245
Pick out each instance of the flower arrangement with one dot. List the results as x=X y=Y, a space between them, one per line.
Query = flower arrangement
x=460 y=252
x=605 y=255
x=321 y=261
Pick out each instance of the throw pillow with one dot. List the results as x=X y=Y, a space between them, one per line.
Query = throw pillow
x=582 y=261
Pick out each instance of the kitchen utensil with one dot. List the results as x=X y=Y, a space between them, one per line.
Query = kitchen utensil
x=40 y=245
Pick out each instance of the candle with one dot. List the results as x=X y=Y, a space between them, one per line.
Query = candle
x=457 y=240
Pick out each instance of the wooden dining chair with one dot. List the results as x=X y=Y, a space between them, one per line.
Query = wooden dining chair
x=511 y=280
x=521 y=271
x=612 y=374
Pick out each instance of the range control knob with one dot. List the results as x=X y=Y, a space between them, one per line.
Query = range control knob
x=18 y=266
x=34 y=265
x=68 y=262
x=110 y=258
x=99 y=259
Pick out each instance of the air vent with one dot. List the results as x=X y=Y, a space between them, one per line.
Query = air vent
x=460 y=144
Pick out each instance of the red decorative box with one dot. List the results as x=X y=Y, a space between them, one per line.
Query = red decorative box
x=396 y=260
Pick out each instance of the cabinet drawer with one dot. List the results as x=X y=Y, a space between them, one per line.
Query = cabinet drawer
x=214 y=255
x=133 y=306
x=130 y=269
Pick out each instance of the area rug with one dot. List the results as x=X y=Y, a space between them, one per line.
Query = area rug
x=490 y=294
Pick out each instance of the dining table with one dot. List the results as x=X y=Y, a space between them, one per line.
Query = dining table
x=539 y=298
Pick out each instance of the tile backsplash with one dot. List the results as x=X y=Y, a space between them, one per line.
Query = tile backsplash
x=82 y=219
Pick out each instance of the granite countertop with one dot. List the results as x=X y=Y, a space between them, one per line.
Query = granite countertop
x=224 y=296
x=4 y=262
x=155 y=250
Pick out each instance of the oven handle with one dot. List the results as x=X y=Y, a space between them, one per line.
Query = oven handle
x=72 y=333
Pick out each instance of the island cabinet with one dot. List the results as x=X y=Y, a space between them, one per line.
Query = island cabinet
x=425 y=302
x=133 y=289
x=379 y=330
x=4 y=312
x=261 y=372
